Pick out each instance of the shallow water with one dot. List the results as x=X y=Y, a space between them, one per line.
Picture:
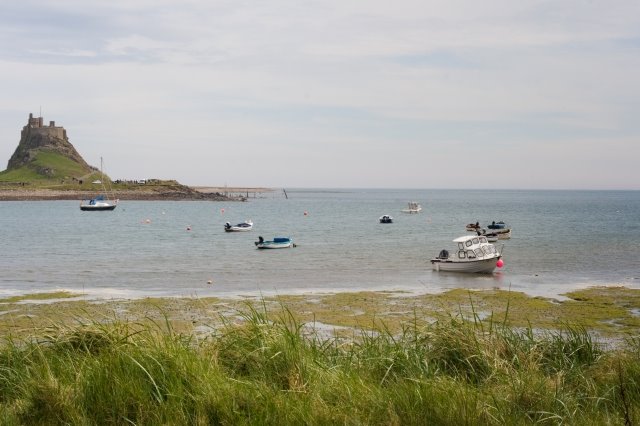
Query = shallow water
x=561 y=240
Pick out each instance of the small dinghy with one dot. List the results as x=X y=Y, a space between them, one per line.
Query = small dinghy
x=386 y=219
x=474 y=226
x=247 y=225
x=276 y=243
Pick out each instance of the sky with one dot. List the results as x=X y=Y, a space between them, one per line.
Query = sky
x=333 y=94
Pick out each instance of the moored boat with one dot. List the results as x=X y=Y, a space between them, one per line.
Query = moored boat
x=100 y=202
x=276 y=243
x=386 y=219
x=474 y=226
x=496 y=230
x=475 y=254
x=497 y=225
x=247 y=225
x=504 y=234
x=412 y=207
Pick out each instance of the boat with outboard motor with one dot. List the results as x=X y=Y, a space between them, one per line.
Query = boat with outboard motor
x=276 y=243
x=247 y=225
x=386 y=219
x=497 y=230
x=497 y=225
x=501 y=229
x=474 y=226
x=475 y=254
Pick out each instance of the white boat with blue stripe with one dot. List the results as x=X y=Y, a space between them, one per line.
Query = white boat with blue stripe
x=276 y=243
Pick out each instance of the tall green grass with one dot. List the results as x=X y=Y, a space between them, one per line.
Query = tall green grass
x=271 y=369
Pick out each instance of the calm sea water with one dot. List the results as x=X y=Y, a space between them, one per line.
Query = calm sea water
x=561 y=240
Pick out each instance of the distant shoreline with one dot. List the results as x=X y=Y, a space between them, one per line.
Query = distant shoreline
x=185 y=193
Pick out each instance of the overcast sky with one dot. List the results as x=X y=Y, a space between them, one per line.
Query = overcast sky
x=333 y=93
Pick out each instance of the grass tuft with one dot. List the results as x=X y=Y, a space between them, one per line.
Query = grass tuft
x=268 y=367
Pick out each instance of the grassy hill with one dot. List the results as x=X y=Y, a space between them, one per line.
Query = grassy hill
x=49 y=168
x=47 y=165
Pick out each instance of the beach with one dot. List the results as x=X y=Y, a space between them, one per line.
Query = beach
x=148 y=193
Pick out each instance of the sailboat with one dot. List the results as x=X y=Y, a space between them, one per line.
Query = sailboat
x=101 y=202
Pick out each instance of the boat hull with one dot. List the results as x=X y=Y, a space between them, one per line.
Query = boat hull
x=98 y=208
x=272 y=245
x=480 y=266
x=504 y=234
x=238 y=228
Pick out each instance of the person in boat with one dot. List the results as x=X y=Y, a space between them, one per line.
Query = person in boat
x=227 y=225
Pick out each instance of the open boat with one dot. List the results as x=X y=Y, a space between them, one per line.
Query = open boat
x=494 y=231
x=491 y=236
x=413 y=207
x=501 y=229
x=386 y=219
x=101 y=202
x=247 y=225
x=474 y=226
x=276 y=243
x=497 y=225
x=474 y=254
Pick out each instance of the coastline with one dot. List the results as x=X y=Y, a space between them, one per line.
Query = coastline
x=160 y=193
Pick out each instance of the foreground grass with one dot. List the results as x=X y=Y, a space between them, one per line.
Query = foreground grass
x=267 y=367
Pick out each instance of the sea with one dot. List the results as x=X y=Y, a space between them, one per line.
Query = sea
x=561 y=241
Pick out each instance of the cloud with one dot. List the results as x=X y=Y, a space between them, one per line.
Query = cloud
x=338 y=89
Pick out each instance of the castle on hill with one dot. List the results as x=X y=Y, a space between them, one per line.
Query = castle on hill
x=36 y=136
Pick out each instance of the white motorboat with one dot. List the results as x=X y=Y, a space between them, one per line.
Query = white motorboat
x=247 y=225
x=412 y=207
x=386 y=219
x=475 y=254
x=276 y=243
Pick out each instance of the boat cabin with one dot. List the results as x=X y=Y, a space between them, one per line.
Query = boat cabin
x=473 y=247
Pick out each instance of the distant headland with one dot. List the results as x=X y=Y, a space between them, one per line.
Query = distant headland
x=46 y=166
